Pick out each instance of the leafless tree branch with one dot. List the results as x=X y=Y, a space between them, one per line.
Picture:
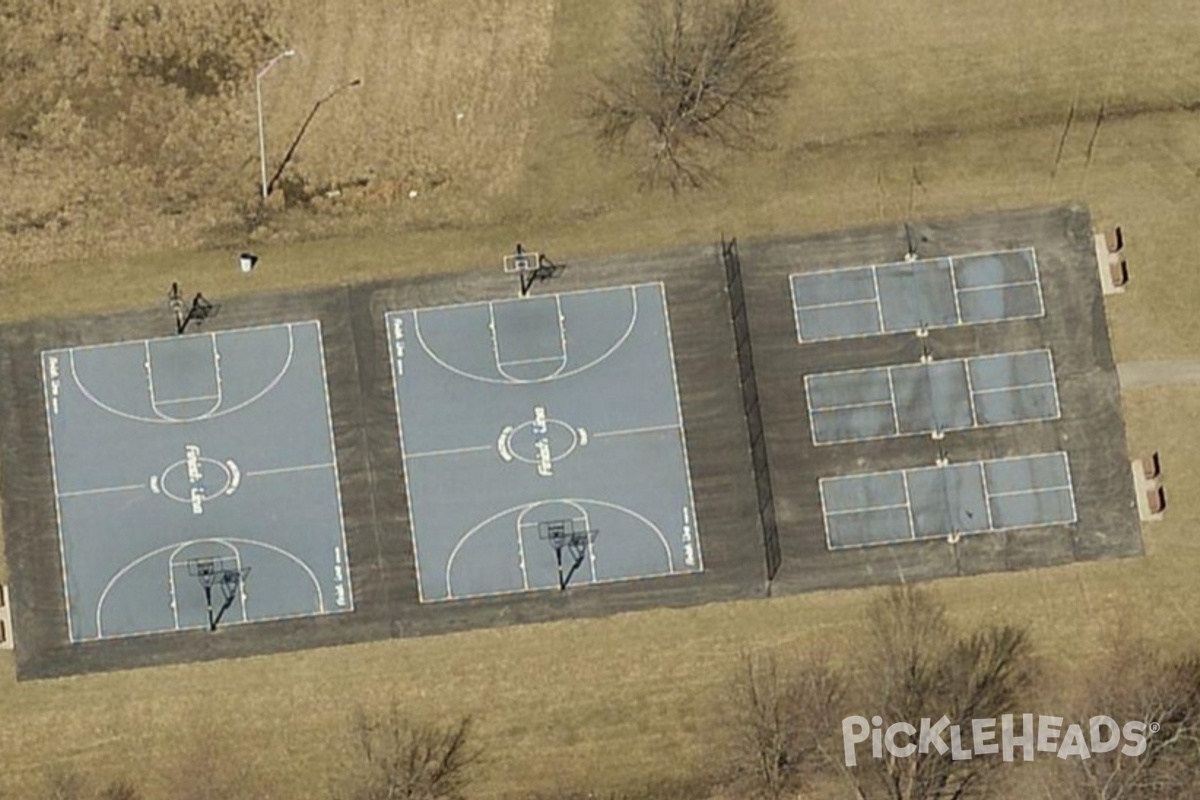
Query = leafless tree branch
x=702 y=75
x=398 y=758
x=1138 y=684
x=782 y=714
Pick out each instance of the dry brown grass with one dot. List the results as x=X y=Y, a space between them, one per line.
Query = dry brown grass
x=969 y=96
x=130 y=126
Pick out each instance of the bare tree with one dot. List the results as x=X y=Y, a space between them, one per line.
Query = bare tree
x=919 y=667
x=701 y=76
x=395 y=757
x=1134 y=684
x=781 y=717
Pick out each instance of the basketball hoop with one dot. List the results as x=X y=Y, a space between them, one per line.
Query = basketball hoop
x=561 y=534
x=200 y=310
x=227 y=574
x=529 y=268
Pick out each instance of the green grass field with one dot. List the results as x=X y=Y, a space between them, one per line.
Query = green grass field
x=971 y=97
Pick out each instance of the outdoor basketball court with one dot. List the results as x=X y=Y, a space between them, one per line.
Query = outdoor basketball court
x=195 y=481
x=932 y=397
x=542 y=442
x=853 y=302
x=947 y=500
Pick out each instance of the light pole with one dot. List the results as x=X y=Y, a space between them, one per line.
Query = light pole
x=262 y=136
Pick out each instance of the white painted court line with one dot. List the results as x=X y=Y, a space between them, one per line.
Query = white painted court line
x=635 y=431
x=195 y=399
x=404 y=465
x=155 y=402
x=145 y=346
x=892 y=398
x=851 y=406
x=825 y=512
x=694 y=529
x=347 y=582
x=795 y=308
x=495 y=341
x=162 y=419
x=859 y=370
x=912 y=519
x=562 y=332
x=174 y=594
x=988 y=495
x=554 y=588
x=878 y=300
x=217 y=367
x=622 y=287
x=954 y=292
x=691 y=551
x=1037 y=276
x=149 y=380
x=970 y=394
x=284 y=470
x=965 y=363
x=176 y=338
x=501 y=363
x=992 y=286
x=505 y=380
x=839 y=304
x=455 y=451
x=1057 y=402
x=177 y=547
x=522 y=564
x=930 y=260
x=1039 y=490
x=808 y=405
x=591 y=552
x=520 y=361
x=86 y=492
x=1009 y=354
x=523 y=509
x=62 y=545
x=1070 y=488
x=1017 y=388
x=869 y=509
x=957 y=292
x=241 y=589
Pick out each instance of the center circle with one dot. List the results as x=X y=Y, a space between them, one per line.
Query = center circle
x=176 y=484
x=559 y=438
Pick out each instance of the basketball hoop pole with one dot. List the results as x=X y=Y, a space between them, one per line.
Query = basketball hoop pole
x=212 y=622
x=560 y=534
x=529 y=267
x=200 y=310
x=230 y=586
x=208 y=571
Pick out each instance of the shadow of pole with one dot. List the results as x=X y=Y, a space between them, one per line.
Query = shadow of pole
x=291 y=151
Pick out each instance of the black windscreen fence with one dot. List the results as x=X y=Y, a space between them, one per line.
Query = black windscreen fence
x=754 y=423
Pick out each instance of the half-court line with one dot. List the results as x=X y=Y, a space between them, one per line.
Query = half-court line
x=83 y=492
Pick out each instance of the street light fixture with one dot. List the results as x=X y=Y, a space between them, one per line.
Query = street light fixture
x=262 y=136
